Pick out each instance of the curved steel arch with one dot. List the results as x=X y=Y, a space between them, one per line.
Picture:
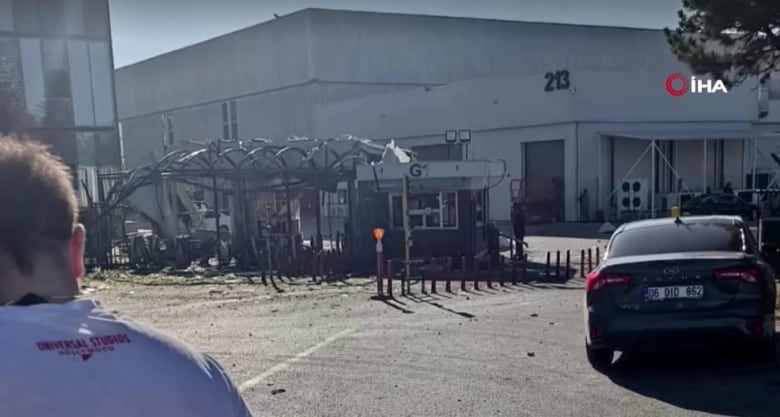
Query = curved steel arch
x=251 y=157
x=288 y=149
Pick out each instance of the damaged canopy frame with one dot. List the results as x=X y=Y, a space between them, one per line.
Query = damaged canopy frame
x=246 y=168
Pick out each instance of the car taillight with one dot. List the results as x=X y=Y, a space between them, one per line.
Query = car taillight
x=745 y=274
x=597 y=280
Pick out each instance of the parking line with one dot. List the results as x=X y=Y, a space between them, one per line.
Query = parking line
x=297 y=358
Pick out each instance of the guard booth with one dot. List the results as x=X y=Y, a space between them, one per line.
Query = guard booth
x=447 y=205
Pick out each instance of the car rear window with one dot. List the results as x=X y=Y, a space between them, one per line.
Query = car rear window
x=670 y=238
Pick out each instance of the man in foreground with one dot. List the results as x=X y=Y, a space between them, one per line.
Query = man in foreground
x=67 y=356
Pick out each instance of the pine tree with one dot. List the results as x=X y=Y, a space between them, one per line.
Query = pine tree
x=730 y=40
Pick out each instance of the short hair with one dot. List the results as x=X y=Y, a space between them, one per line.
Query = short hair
x=37 y=200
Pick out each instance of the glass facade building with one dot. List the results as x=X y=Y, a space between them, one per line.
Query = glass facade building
x=56 y=63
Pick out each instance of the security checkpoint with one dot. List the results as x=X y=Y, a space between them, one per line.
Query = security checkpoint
x=411 y=210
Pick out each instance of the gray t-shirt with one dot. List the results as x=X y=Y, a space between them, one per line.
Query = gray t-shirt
x=77 y=360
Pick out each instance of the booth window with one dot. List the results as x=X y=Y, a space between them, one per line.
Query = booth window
x=426 y=211
x=479 y=200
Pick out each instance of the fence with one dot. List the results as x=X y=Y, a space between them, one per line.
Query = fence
x=432 y=275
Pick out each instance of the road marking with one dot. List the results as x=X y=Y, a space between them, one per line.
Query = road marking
x=297 y=358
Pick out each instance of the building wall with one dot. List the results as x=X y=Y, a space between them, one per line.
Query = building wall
x=374 y=48
x=56 y=58
x=397 y=48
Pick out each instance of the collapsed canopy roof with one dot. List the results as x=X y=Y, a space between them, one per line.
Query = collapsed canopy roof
x=298 y=161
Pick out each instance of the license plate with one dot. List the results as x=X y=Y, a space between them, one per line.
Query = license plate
x=675 y=292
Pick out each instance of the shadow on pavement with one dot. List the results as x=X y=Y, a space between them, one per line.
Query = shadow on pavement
x=434 y=303
x=392 y=302
x=722 y=382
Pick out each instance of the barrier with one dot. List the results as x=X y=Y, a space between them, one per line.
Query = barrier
x=448 y=285
x=389 y=272
x=463 y=273
x=590 y=260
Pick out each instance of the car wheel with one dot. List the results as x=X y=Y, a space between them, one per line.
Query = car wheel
x=599 y=359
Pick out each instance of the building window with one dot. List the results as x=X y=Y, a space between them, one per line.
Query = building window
x=229 y=120
x=167 y=125
x=426 y=211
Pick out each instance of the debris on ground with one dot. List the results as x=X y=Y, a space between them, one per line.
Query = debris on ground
x=278 y=391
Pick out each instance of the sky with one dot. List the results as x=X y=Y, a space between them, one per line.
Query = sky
x=145 y=28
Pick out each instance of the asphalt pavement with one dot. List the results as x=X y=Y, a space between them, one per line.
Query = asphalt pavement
x=328 y=350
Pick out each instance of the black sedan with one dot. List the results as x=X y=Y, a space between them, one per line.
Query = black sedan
x=674 y=283
x=727 y=204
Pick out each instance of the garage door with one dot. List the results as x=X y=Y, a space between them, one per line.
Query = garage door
x=544 y=173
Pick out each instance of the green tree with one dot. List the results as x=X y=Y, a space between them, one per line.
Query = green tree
x=730 y=40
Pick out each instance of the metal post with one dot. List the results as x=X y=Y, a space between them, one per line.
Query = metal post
x=753 y=163
x=448 y=287
x=704 y=183
x=547 y=266
x=389 y=278
x=463 y=273
x=652 y=180
x=476 y=273
x=590 y=260
x=582 y=263
x=433 y=278
x=490 y=272
x=557 y=264
x=568 y=265
x=379 y=264
x=407 y=230
x=598 y=175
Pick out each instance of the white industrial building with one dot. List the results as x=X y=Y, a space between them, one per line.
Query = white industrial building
x=582 y=105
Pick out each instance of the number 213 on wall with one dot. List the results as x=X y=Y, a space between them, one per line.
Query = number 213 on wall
x=558 y=80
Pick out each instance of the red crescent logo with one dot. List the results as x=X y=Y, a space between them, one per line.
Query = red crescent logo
x=677 y=92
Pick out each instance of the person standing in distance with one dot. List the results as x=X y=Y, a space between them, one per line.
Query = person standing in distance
x=65 y=355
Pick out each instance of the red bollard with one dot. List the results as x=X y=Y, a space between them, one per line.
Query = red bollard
x=389 y=278
x=463 y=273
x=448 y=271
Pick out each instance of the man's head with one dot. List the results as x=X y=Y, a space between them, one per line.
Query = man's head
x=41 y=245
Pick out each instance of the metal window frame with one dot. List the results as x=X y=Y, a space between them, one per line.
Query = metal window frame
x=440 y=211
